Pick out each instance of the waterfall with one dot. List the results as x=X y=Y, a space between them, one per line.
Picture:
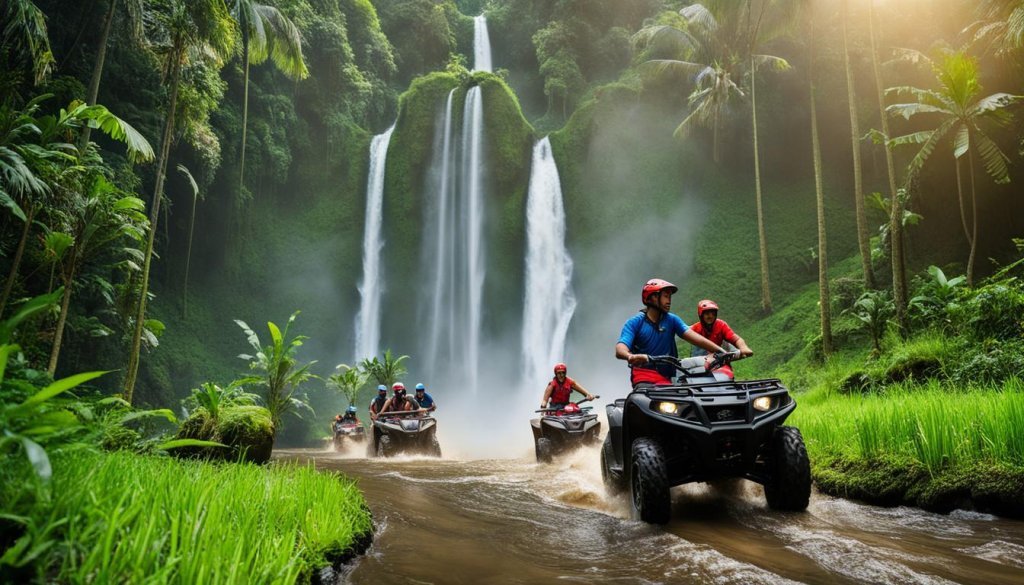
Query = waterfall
x=439 y=259
x=371 y=288
x=481 y=45
x=473 y=219
x=550 y=302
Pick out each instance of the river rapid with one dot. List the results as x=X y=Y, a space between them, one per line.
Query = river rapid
x=516 y=521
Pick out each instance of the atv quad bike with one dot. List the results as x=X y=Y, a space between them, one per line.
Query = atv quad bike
x=704 y=427
x=352 y=431
x=407 y=431
x=561 y=429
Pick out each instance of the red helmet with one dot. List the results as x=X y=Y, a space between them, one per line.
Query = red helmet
x=560 y=366
x=705 y=305
x=656 y=285
x=398 y=387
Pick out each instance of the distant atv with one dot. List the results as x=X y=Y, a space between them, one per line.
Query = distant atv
x=561 y=429
x=703 y=428
x=399 y=432
x=350 y=430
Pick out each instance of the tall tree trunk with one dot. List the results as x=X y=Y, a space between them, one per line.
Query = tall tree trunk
x=65 y=303
x=16 y=263
x=245 y=113
x=762 y=239
x=188 y=259
x=823 y=291
x=863 y=241
x=899 y=271
x=154 y=217
x=974 y=223
x=960 y=199
x=97 y=70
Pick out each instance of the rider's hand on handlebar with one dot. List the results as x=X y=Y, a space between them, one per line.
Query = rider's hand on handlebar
x=636 y=359
x=746 y=352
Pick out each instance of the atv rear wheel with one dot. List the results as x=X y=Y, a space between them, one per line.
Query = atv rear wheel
x=790 y=485
x=544 y=450
x=613 y=482
x=648 y=482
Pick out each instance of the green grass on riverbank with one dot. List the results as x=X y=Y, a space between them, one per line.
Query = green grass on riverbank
x=123 y=518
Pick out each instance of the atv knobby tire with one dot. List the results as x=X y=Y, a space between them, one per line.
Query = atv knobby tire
x=613 y=483
x=648 y=482
x=544 y=450
x=384 y=446
x=435 y=447
x=790 y=485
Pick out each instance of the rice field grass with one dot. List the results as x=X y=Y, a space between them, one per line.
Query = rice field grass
x=933 y=423
x=124 y=518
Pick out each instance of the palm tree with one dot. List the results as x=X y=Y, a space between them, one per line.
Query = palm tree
x=863 y=241
x=348 y=381
x=24 y=32
x=189 y=29
x=1002 y=22
x=386 y=372
x=100 y=215
x=824 y=298
x=959 y=111
x=266 y=32
x=134 y=8
x=280 y=370
x=899 y=270
x=723 y=40
x=191 y=227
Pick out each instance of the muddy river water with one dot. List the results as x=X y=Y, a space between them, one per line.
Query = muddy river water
x=517 y=521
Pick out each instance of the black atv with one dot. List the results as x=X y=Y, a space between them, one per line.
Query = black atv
x=408 y=431
x=704 y=427
x=561 y=429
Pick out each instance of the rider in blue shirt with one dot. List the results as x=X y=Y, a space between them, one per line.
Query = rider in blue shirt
x=653 y=331
x=426 y=400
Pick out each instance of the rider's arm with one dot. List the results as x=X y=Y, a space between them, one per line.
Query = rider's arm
x=547 y=395
x=577 y=387
x=701 y=341
x=622 y=352
x=386 y=407
x=736 y=340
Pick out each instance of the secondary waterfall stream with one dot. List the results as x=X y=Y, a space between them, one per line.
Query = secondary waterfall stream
x=367 y=324
x=549 y=302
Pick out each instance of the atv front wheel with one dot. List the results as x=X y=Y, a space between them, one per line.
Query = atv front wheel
x=613 y=482
x=435 y=447
x=544 y=450
x=384 y=446
x=648 y=482
x=790 y=485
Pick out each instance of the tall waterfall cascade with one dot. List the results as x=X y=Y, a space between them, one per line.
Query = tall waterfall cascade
x=481 y=45
x=368 y=319
x=549 y=301
x=454 y=252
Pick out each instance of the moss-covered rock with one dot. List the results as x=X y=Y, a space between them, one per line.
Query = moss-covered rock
x=246 y=430
x=892 y=481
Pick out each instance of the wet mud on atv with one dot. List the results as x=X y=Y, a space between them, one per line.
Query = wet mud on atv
x=558 y=430
x=705 y=427
x=404 y=432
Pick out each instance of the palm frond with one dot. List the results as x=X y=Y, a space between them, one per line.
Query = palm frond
x=771 y=61
x=962 y=141
x=699 y=15
x=993 y=158
x=910 y=110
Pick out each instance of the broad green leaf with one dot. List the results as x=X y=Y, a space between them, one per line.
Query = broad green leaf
x=159 y=412
x=56 y=388
x=35 y=305
x=176 y=443
x=37 y=456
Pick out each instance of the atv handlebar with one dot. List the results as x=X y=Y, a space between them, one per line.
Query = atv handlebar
x=719 y=359
x=578 y=402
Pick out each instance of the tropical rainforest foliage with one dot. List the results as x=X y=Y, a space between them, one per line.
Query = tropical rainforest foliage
x=870 y=147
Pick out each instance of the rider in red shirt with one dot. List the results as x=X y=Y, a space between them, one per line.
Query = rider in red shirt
x=716 y=330
x=558 y=389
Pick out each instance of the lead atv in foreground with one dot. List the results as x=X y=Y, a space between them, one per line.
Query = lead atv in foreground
x=560 y=429
x=704 y=427
x=404 y=432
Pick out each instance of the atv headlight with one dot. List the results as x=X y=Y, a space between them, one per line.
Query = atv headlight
x=668 y=407
x=764 y=403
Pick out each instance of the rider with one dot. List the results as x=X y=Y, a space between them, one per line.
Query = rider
x=399 y=402
x=652 y=331
x=558 y=390
x=350 y=415
x=378 y=403
x=716 y=330
x=337 y=424
x=425 y=400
